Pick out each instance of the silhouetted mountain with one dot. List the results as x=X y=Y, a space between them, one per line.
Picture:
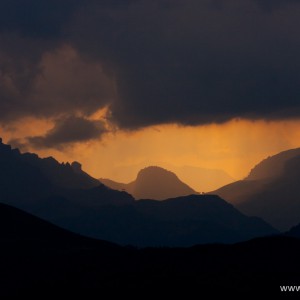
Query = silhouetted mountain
x=181 y=221
x=104 y=213
x=118 y=186
x=153 y=183
x=237 y=192
x=62 y=175
x=26 y=179
x=27 y=174
x=273 y=196
x=38 y=258
x=198 y=178
x=273 y=166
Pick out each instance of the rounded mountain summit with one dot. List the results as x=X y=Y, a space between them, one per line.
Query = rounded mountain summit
x=153 y=183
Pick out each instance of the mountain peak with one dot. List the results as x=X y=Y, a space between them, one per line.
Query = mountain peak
x=4 y=147
x=76 y=166
x=153 y=182
x=155 y=171
x=63 y=175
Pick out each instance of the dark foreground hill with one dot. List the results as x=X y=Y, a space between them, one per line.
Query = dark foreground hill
x=40 y=259
x=271 y=191
x=18 y=226
x=153 y=183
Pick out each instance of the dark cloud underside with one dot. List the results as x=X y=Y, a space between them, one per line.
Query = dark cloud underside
x=68 y=131
x=151 y=62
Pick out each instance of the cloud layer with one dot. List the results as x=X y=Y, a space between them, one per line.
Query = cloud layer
x=150 y=62
x=68 y=131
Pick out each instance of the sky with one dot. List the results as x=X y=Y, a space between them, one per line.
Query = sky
x=211 y=83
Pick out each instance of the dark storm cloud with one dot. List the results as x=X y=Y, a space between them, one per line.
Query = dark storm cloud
x=35 y=18
x=151 y=62
x=61 y=83
x=68 y=131
x=270 y=5
x=196 y=62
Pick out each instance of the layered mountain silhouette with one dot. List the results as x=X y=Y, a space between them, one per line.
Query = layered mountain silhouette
x=38 y=257
x=183 y=221
x=271 y=191
x=198 y=178
x=153 y=183
x=100 y=212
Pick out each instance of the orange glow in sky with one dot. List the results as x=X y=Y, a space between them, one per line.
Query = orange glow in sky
x=234 y=147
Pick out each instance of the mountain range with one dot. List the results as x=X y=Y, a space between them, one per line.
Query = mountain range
x=183 y=221
x=153 y=183
x=271 y=191
x=41 y=259
x=92 y=209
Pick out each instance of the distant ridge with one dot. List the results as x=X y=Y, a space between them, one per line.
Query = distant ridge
x=273 y=166
x=153 y=183
x=271 y=191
